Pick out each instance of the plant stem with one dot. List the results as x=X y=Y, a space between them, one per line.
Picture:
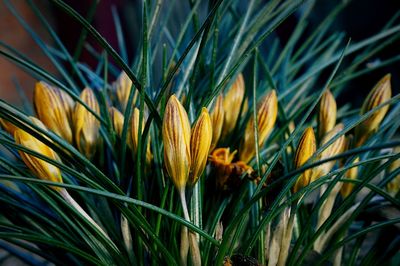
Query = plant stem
x=193 y=244
x=126 y=234
x=77 y=207
x=195 y=207
x=287 y=235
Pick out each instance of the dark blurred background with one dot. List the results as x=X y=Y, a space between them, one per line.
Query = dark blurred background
x=360 y=19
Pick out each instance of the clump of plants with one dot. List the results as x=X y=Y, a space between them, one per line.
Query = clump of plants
x=216 y=144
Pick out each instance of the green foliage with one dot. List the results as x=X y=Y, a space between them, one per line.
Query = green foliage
x=134 y=201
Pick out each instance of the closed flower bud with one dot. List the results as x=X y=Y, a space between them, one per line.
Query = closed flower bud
x=200 y=143
x=347 y=187
x=232 y=102
x=122 y=87
x=176 y=138
x=117 y=119
x=53 y=109
x=245 y=108
x=149 y=154
x=8 y=126
x=326 y=114
x=40 y=168
x=379 y=94
x=11 y=128
x=334 y=149
x=266 y=117
x=305 y=150
x=394 y=185
x=135 y=129
x=86 y=125
x=67 y=102
x=217 y=120
x=39 y=124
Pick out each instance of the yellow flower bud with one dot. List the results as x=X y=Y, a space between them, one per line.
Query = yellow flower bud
x=347 y=187
x=326 y=114
x=379 y=94
x=217 y=120
x=200 y=143
x=245 y=108
x=53 y=109
x=135 y=129
x=394 y=185
x=232 y=101
x=334 y=149
x=38 y=123
x=40 y=168
x=86 y=125
x=8 y=126
x=67 y=102
x=305 y=149
x=176 y=138
x=135 y=137
x=266 y=117
x=149 y=154
x=123 y=86
x=117 y=119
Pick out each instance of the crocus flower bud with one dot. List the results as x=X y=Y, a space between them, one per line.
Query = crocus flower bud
x=305 y=150
x=232 y=101
x=334 y=149
x=67 y=102
x=217 y=120
x=245 y=108
x=326 y=114
x=347 y=188
x=379 y=94
x=135 y=129
x=53 y=107
x=266 y=118
x=8 y=126
x=394 y=185
x=40 y=168
x=86 y=125
x=117 y=119
x=176 y=138
x=200 y=143
x=123 y=86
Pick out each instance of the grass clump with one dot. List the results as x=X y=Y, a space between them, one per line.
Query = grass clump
x=218 y=143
